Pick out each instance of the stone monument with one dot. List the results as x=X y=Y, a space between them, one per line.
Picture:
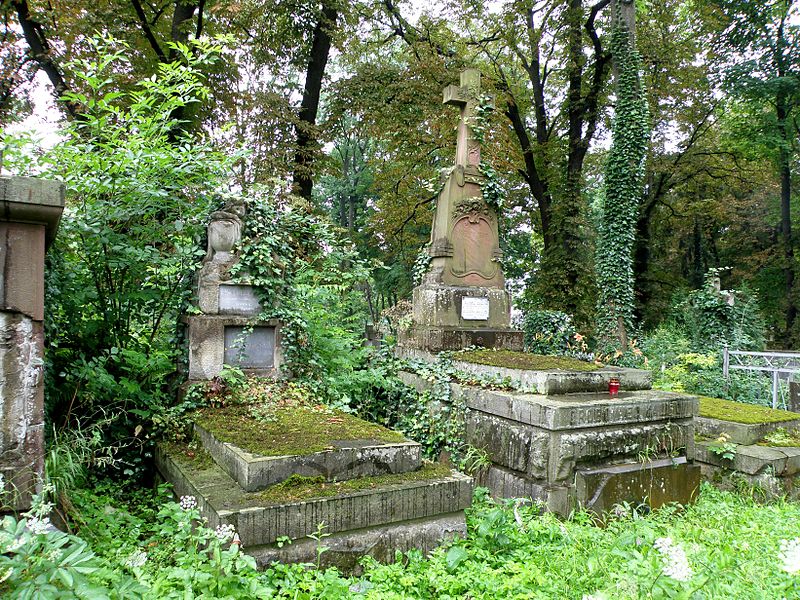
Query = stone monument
x=31 y=210
x=462 y=300
x=228 y=331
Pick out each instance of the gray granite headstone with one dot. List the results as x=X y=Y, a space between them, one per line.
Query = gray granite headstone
x=238 y=300
x=250 y=349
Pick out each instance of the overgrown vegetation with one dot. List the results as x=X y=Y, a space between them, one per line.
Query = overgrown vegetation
x=139 y=545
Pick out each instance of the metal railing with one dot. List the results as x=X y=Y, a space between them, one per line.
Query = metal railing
x=781 y=365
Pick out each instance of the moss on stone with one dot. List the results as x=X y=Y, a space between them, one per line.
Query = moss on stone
x=297 y=488
x=190 y=453
x=289 y=430
x=525 y=360
x=739 y=412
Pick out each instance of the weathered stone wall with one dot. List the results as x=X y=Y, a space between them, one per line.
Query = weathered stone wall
x=21 y=406
x=29 y=213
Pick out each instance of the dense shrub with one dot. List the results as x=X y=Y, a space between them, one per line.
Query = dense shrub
x=139 y=190
x=711 y=318
x=548 y=332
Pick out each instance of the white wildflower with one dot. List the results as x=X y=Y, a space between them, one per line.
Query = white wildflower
x=188 y=502
x=676 y=565
x=136 y=559
x=592 y=597
x=2 y=483
x=790 y=555
x=225 y=532
x=38 y=526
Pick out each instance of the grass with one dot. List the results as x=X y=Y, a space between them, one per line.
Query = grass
x=739 y=412
x=298 y=488
x=524 y=360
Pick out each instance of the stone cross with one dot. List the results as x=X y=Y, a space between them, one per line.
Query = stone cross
x=466 y=96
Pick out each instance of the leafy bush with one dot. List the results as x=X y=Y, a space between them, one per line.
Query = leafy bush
x=147 y=547
x=311 y=279
x=119 y=274
x=712 y=318
x=548 y=332
x=702 y=374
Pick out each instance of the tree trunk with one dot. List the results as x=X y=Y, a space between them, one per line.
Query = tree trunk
x=306 y=138
x=42 y=53
x=786 y=217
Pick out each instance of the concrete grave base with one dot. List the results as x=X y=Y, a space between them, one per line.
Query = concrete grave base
x=344 y=550
x=581 y=449
x=740 y=433
x=656 y=483
x=423 y=511
x=348 y=460
x=772 y=472
x=438 y=339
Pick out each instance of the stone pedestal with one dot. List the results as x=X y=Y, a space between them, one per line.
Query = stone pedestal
x=31 y=209
x=463 y=301
x=587 y=449
x=229 y=332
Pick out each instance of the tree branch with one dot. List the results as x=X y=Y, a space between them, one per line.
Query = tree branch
x=148 y=32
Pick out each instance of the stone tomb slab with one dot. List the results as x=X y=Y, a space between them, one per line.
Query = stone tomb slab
x=754 y=460
x=260 y=523
x=571 y=411
x=347 y=460
x=563 y=382
x=740 y=433
x=660 y=482
x=538 y=442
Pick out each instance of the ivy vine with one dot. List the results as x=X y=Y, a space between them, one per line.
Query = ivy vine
x=624 y=175
x=493 y=193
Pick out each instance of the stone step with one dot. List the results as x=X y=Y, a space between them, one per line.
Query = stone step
x=348 y=459
x=426 y=494
x=781 y=461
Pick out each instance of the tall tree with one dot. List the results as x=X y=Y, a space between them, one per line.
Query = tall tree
x=623 y=186
x=763 y=42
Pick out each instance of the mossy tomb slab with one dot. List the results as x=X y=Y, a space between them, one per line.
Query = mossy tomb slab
x=341 y=460
x=302 y=505
x=741 y=423
x=740 y=412
x=753 y=459
x=291 y=430
x=549 y=374
x=524 y=360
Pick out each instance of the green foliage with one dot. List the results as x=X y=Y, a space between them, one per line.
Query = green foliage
x=119 y=274
x=310 y=279
x=139 y=545
x=623 y=181
x=548 y=332
x=711 y=320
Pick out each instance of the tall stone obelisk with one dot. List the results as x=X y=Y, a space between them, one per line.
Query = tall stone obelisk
x=462 y=300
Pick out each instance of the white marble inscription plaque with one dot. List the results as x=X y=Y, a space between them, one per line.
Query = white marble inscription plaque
x=238 y=300
x=475 y=309
x=250 y=349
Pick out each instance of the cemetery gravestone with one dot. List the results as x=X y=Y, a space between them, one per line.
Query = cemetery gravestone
x=31 y=210
x=228 y=331
x=462 y=300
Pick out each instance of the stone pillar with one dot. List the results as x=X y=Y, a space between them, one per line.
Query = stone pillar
x=794 y=393
x=31 y=209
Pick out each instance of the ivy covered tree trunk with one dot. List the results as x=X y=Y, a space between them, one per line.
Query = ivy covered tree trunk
x=623 y=182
